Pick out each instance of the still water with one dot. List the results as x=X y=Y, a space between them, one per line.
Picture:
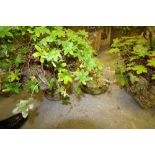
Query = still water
x=114 y=109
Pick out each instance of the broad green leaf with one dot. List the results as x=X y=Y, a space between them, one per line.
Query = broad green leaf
x=139 y=69
x=82 y=76
x=65 y=77
x=38 y=48
x=23 y=107
x=151 y=62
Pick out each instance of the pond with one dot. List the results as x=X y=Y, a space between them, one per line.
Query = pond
x=113 y=109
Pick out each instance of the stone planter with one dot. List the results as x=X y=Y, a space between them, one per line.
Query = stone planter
x=143 y=92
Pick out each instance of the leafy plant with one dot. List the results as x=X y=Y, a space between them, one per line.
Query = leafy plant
x=13 y=76
x=12 y=88
x=63 y=56
x=83 y=77
x=140 y=51
x=5 y=32
x=23 y=107
x=151 y=62
x=134 y=52
x=32 y=85
x=138 y=68
x=65 y=77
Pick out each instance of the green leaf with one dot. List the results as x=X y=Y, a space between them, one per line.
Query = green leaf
x=23 y=107
x=6 y=49
x=14 y=75
x=18 y=59
x=151 y=62
x=121 y=79
x=62 y=91
x=38 y=48
x=82 y=76
x=40 y=30
x=5 y=31
x=82 y=33
x=69 y=48
x=114 y=51
x=140 y=50
x=65 y=77
x=138 y=68
x=23 y=49
x=32 y=85
x=12 y=87
x=5 y=64
x=53 y=55
x=51 y=83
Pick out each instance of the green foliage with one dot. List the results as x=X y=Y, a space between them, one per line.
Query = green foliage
x=136 y=58
x=122 y=79
x=6 y=49
x=18 y=59
x=140 y=51
x=138 y=68
x=23 y=107
x=63 y=56
x=5 y=64
x=82 y=77
x=13 y=76
x=32 y=85
x=62 y=91
x=151 y=62
x=65 y=77
x=5 y=32
x=12 y=87
x=114 y=51
x=125 y=29
x=51 y=83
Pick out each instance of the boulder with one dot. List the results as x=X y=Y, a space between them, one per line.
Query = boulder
x=143 y=92
x=96 y=87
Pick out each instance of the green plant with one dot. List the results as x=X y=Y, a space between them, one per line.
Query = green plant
x=23 y=107
x=61 y=53
x=138 y=68
x=32 y=85
x=126 y=29
x=83 y=77
x=5 y=32
x=151 y=62
x=136 y=58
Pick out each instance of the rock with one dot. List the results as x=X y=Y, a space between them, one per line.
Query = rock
x=41 y=75
x=96 y=87
x=143 y=92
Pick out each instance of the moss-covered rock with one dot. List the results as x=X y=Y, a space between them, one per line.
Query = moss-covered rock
x=143 y=92
x=96 y=87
